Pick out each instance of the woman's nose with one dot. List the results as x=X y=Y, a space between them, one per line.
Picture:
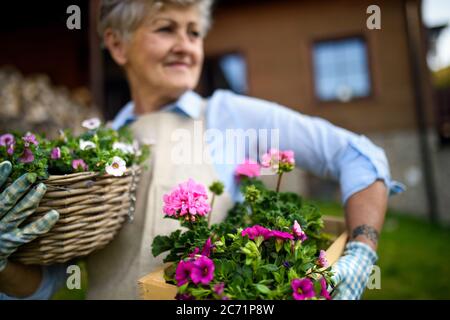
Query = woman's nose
x=184 y=43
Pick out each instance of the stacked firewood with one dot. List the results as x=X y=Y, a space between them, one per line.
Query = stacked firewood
x=35 y=104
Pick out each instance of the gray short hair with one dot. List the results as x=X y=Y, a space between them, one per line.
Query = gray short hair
x=125 y=16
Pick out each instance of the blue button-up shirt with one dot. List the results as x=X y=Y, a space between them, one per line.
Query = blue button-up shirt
x=320 y=147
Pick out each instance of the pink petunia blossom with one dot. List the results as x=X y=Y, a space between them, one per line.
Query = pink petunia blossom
x=249 y=169
x=282 y=235
x=189 y=198
x=184 y=296
x=183 y=272
x=193 y=254
x=322 y=261
x=256 y=231
x=298 y=232
x=27 y=156
x=55 y=153
x=29 y=138
x=219 y=288
x=7 y=139
x=203 y=270
x=10 y=149
x=206 y=250
x=79 y=164
x=302 y=289
x=323 y=289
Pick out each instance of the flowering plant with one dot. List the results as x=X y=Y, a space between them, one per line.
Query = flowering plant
x=269 y=247
x=98 y=149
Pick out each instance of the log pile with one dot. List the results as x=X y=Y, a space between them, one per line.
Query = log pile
x=34 y=104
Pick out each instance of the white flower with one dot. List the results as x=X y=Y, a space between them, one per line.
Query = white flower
x=86 y=145
x=91 y=124
x=125 y=148
x=117 y=167
x=137 y=148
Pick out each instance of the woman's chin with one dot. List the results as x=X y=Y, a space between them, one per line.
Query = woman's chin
x=180 y=87
x=175 y=91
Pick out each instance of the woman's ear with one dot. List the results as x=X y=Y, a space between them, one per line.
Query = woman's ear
x=116 y=45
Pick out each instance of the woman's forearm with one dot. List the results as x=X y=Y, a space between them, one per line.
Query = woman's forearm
x=365 y=212
x=20 y=281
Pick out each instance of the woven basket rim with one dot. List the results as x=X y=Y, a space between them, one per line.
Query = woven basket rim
x=89 y=173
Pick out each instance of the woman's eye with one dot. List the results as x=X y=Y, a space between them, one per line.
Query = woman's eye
x=195 y=34
x=165 y=29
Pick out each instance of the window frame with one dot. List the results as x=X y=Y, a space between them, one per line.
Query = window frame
x=215 y=57
x=372 y=84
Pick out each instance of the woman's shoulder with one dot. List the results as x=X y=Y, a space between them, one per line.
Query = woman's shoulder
x=227 y=99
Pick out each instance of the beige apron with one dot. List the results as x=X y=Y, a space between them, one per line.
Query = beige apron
x=114 y=271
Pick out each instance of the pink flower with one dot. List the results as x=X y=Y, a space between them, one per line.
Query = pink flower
x=203 y=271
x=183 y=272
x=7 y=140
x=79 y=164
x=29 y=138
x=323 y=289
x=282 y=235
x=249 y=169
x=298 y=232
x=256 y=231
x=322 y=261
x=271 y=158
x=193 y=254
x=302 y=289
x=56 y=153
x=206 y=251
x=27 y=156
x=287 y=157
x=218 y=288
x=184 y=296
x=189 y=198
x=10 y=150
x=279 y=161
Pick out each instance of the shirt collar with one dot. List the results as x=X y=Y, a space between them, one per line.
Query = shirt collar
x=189 y=104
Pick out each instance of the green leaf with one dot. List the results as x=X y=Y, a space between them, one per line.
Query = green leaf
x=163 y=243
x=262 y=288
x=270 y=267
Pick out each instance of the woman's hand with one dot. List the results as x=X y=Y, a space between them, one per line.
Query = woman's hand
x=352 y=271
x=17 y=203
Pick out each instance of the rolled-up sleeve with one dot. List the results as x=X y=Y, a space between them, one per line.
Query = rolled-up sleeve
x=362 y=164
x=320 y=147
x=53 y=278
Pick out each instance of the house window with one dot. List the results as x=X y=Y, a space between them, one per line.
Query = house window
x=226 y=71
x=341 y=70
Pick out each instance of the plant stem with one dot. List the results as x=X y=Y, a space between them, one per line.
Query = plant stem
x=279 y=181
x=210 y=213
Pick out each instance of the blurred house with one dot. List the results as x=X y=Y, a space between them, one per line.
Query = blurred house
x=320 y=58
x=317 y=57
x=44 y=70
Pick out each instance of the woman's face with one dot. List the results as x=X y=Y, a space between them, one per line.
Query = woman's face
x=166 y=52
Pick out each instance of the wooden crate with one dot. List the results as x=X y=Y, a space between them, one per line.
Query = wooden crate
x=154 y=287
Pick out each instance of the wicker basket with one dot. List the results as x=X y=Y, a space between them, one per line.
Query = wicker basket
x=92 y=209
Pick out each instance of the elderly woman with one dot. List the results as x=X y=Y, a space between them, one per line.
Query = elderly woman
x=159 y=45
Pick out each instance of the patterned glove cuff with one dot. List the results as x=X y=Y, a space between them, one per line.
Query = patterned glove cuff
x=362 y=251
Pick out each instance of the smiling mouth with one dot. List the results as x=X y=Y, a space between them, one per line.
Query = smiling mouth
x=178 y=65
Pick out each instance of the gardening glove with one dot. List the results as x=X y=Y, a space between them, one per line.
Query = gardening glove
x=352 y=271
x=17 y=203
